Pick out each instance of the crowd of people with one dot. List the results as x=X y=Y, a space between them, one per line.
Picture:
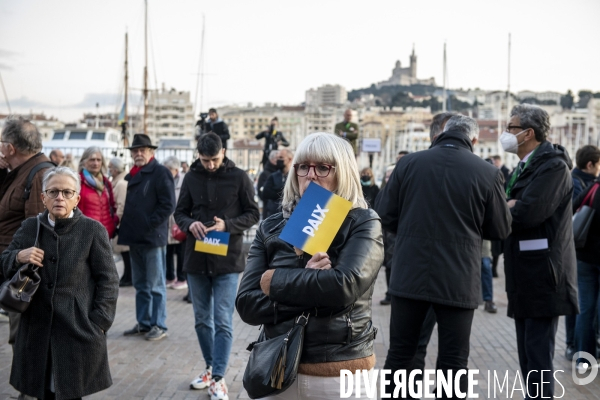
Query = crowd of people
x=437 y=223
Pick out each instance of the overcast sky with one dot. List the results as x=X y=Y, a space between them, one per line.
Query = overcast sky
x=61 y=57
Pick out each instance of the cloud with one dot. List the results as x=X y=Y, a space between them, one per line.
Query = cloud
x=103 y=99
x=8 y=53
x=24 y=102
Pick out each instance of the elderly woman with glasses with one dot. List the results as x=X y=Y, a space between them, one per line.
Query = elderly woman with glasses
x=281 y=282
x=60 y=350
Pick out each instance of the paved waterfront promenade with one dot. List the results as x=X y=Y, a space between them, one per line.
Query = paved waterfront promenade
x=163 y=370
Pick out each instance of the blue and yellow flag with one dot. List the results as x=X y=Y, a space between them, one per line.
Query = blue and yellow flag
x=316 y=220
x=122 y=115
x=214 y=243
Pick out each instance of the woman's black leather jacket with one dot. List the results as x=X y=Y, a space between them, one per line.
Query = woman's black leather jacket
x=338 y=300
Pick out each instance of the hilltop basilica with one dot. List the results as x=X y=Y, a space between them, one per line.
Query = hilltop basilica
x=406 y=76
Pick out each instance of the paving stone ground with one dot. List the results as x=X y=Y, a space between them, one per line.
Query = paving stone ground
x=163 y=370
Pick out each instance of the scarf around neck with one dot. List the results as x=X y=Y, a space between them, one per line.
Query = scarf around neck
x=95 y=181
x=135 y=169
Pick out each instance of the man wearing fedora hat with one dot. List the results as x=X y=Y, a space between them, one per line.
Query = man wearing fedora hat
x=144 y=228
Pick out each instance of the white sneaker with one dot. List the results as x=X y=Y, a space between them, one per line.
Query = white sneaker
x=582 y=367
x=218 y=390
x=203 y=380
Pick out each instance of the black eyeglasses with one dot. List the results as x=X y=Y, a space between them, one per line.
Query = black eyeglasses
x=66 y=193
x=509 y=127
x=321 y=170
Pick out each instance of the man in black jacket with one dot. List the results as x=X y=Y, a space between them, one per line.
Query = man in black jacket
x=273 y=138
x=144 y=228
x=539 y=254
x=216 y=125
x=440 y=203
x=269 y=168
x=218 y=194
x=273 y=189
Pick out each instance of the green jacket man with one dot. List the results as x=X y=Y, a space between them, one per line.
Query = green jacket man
x=348 y=130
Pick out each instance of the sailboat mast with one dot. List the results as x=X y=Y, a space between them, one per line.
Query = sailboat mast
x=5 y=95
x=508 y=85
x=126 y=76
x=146 y=68
x=444 y=90
x=202 y=66
x=200 y=75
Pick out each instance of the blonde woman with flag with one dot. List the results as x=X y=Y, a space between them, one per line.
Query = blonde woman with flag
x=281 y=282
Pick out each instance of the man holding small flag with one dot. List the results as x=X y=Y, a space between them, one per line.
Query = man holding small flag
x=216 y=205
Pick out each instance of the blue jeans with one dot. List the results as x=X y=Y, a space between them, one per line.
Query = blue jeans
x=213 y=298
x=588 y=278
x=148 y=269
x=487 y=286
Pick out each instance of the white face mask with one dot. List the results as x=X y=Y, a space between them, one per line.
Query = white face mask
x=509 y=142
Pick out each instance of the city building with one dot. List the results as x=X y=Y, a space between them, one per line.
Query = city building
x=246 y=122
x=45 y=125
x=542 y=97
x=170 y=114
x=111 y=120
x=326 y=95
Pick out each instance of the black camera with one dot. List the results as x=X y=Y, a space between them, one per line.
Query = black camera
x=201 y=125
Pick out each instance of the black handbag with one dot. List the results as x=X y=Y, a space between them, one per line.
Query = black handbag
x=16 y=293
x=273 y=363
x=582 y=220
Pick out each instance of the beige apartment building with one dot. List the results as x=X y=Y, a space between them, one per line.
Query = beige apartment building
x=246 y=122
x=170 y=114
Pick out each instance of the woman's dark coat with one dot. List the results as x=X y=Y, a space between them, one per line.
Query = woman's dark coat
x=542 y=283
x=273 y=193
x=338 y=299
x=72 y=309
x=370 y=193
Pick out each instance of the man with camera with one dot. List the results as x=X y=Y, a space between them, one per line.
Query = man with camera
x=273 y=138
x=213 y=124
x=215 y=196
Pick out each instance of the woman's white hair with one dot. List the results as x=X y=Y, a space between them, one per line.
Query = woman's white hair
x=50 y=172
x=326 y=148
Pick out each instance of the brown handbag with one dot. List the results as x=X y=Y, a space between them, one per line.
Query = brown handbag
x=16 y=293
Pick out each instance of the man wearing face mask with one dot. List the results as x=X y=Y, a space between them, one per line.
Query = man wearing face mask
x=273 y=138
x=539 y=254
x=274 y=187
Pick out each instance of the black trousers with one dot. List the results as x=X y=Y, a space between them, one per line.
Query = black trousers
x=454 y=331
x=126 y=267
x=424 y=337
x=172 y=250
x=535 y=344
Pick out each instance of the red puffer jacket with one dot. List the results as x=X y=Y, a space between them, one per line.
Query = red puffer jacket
x=99 y=207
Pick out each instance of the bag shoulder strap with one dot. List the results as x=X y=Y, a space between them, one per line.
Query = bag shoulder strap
x=593 y=191
x=34 y=170
x=591 y=194
x=37 y=233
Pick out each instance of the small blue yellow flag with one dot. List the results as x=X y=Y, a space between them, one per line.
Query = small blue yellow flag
x=316 y=220
x=213 y=243
x=122 y=114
